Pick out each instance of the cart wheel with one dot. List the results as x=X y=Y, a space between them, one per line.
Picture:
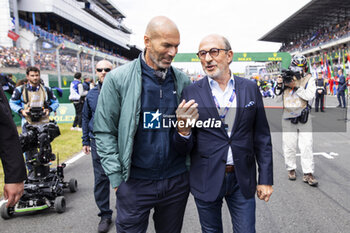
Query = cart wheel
x=6 y=213
x=73 y=185
x=60 y=204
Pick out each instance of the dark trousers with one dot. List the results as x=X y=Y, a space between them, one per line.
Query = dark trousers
x=342 y=95
x=101 y=186
x=136 y=197
x=78 y=112
x=319 y=102
x=242 y=210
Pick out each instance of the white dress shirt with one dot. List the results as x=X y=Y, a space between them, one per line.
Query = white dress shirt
x=223 y=98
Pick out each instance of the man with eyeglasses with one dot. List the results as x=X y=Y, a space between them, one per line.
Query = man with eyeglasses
x=101 y=184
x=137 y=152
x=224 y=157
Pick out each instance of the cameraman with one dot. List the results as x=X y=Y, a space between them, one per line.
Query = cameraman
x=297 y=91
x=33 y=96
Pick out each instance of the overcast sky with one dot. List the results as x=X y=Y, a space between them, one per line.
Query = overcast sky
x=242 y=22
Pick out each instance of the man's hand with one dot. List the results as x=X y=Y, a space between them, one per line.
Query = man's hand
x=25 y=112
x=86 y=149
x=115 y=189
x=12 y=193
x=264 y=192
x=290 y=84
x=46 y=111
x=295 y=83
x=279 y=80
x=184 y=113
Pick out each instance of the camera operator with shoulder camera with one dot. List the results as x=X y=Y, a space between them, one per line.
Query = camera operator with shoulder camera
x=297 y=90
x=33 y=101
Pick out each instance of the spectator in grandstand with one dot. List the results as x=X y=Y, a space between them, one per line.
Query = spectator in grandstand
x=320 y=92
x=143 y=166
x=10 y=154
x=101 y=185
x=223 y=159
x=33 y=95
x=296 y=123
x=77 y=95
x=321 y=36
x=341 y=89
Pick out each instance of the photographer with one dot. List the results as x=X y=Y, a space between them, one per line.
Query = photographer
x=33 y=101
x=297 y=91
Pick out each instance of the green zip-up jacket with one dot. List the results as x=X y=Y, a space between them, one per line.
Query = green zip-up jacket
x=117 y=117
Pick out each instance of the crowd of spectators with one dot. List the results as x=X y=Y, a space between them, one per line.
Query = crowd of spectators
x=319 y=37
x=13 y=57
x=57 y=37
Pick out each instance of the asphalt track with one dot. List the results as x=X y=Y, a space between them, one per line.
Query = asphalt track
x=294 y=206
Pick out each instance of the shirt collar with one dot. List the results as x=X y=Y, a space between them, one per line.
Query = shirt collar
x=214 y=84
x=31 y=88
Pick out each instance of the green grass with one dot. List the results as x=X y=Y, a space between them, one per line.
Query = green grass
x=65 y=146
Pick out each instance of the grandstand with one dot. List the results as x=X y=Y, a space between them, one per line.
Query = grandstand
x=320 y=30
x=64 y=35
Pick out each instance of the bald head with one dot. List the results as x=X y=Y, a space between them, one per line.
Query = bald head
x=216 y=37
x=215 y=55
x=162 y=39
x=104 y=63
x=159 y=25
x=102 y=68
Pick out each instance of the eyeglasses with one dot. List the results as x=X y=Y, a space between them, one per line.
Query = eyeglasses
x=105 y=69
x=214 y=52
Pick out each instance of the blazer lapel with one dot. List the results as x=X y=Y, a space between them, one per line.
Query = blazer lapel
x=240 y=96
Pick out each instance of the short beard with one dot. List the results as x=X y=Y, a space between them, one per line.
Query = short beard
x=157 y=63
x=34 y=84
x=154 y=60
x=214 y=76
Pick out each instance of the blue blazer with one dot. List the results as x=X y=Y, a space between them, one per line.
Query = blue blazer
x=341 y=83
x=250 y=142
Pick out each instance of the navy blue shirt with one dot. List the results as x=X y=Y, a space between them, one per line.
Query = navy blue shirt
x=154 y=156
x=341 y=83
x=86 y=86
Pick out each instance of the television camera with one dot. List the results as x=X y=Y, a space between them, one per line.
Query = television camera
x=44 y=187
x=291 y=74
x=36 y=113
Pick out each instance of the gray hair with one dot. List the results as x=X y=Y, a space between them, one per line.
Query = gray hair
x=227 y=43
